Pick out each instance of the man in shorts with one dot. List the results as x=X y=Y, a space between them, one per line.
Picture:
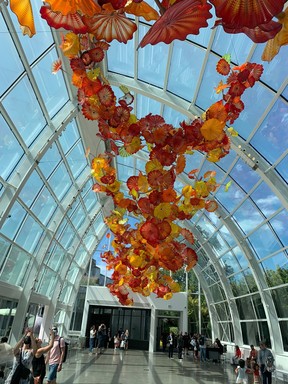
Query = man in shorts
x=55 y=357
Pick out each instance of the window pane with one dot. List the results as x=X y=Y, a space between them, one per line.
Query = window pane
x=10 y=150
x=15 y=267
x=280 y=298
x=24 y=109
x=276 y=269
x=29 y=234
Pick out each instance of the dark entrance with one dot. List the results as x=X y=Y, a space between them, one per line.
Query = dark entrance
x=96 y=319
x=164 y=326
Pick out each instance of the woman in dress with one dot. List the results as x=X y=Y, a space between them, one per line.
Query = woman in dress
x=26 y=348
x=38 y=362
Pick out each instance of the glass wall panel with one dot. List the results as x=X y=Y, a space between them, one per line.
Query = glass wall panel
x=241 y=258
x=264 y=241
x=7 y=313
x=244 y=175
x=10 y=67
x=238 y=284
x=250 y=307
x=10 y=150
x=50 y=161
x=218 y=244
x=276 y=269
x=44 y=206
x=151 y=61
x=223 y=312
x=229 y=264
x=4 y=246
x=60 y=181
x=31 y=189
x=47 y=282
x=13 y=222
x=183 y=83
x=23 y=107
x=77 y=161
x=284 y=333
x=254 y=332
x=56 y=258
x=266 y=200
x=280 y=297
x=279 y=224
x=29 y=234
x=233 y=198
x=247 y=216
x=15 y=268
x=52 y=86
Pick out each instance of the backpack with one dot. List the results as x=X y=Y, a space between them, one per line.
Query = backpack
x=65 y=349
x=269 y=365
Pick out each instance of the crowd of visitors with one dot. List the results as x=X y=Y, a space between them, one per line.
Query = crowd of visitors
x=257 y=368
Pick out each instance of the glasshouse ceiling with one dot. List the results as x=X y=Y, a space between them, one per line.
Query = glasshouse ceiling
x=51 y=221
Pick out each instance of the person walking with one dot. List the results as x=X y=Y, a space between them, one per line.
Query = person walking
x=92 y=337
x=55 y=357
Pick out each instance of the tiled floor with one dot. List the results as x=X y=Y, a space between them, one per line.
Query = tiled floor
x=139 y=367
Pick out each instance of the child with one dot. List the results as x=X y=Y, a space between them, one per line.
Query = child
x=256 y=374
x=249 y=371
x=240 y=372
x=116 y=342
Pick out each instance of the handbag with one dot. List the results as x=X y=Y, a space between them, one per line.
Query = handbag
x=21 y=372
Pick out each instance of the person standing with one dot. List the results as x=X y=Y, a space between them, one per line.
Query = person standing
x=92 y=337
x=38 y=362
x=253 y=354
x=202 y=346
x=264 y=355
x=23 y=351
x=55 y=357
x=170 y=344
x=180 y=344
x=186 y=340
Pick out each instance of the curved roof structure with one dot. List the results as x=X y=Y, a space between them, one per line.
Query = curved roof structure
x=50 y=220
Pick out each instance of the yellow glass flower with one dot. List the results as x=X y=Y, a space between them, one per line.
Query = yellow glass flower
x=70 y=45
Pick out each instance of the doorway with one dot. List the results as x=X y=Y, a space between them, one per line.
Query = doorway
x=165 y=325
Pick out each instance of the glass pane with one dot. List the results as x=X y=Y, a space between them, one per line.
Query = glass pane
x=152 y=61
x=265 y=199
x=269 y=140
x=276 y=269
x=50 y=161
x=253 y=111
x=264 y=241
x=282 y=168
x=238 y=284
x=44 y=206
x=229 y=264
x=10 y=150
x=15 y=267
x=244 y=175
x=183 y=83
x=13 y=222
x=10 y=65
x=254 y=332
x=120 y=60
x=52 y=87
x=46 y=282
x=35 y=46
x=69 y=136
x=247 y=216
x=279 y=224
x=29 y=234
x=60 y=181
x=145 y=105
x=239 y=46
x=280 y=298
x=56 y=259
x=284 y=333
x=250 y=308
x=231 y=198
x=22 y=106
x=77 y=160
x=31 y=189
